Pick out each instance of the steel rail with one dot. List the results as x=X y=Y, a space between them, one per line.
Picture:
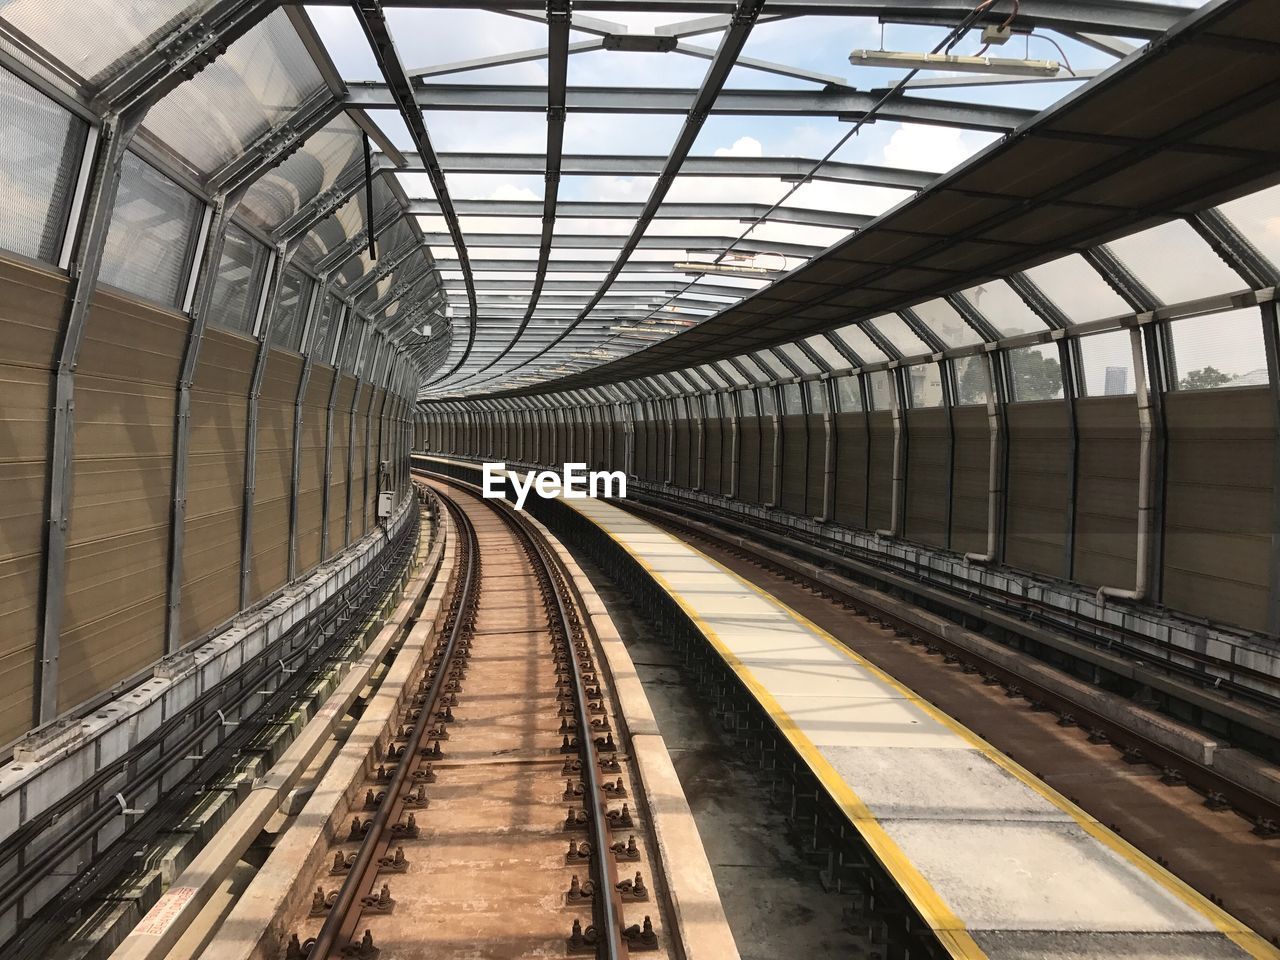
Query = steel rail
x=345 y=912
x=608 y=898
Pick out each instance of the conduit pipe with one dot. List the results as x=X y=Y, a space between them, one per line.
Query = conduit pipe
x=1145 y=451
x=895 y=502
x=995 y=488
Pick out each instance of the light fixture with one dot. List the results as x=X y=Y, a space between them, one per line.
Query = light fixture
x=948 y=61
x=719 y=268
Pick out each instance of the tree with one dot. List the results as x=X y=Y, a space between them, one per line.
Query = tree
x=1203 y=379
x=1035 y=376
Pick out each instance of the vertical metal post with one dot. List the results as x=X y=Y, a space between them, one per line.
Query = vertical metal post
x=775 y=484
x=699 y=402
x=1071 y=383
x=949 y=393
x=116 y=132
x=313 y=311
x=1271 y=343
x=735 y=449
x=1158 y=354
x=326 y=506
x=361 y=331
x=270 y=305
x=218 y=216
x=669 y=406
x=829 y=456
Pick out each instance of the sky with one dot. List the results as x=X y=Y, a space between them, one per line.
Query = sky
x=431 y=38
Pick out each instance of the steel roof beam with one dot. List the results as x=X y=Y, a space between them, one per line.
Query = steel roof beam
x=644 y=212
x=1125 y=18
x=843 y=104
x=400 y=90
x=589 y=165
x=674 y=241
x=532 y=55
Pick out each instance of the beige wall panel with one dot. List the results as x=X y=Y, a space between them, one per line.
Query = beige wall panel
x=851 y=470
x=1219 y=505
x=215 y=483
x=117 y=543
x=713 y=455
x=880 y=474
x=1035 y=533
x=273 y=475
x=927 y=476
x=32 y=304
x=338 y=463
x=685 y=464
x=795 y=461
x=768 y=430
x=971 y=459
x=363 y=396
x=1106 y=491
x=816 y=489
x=311 y=467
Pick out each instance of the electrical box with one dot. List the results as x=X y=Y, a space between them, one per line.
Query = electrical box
x=386 y=500
x=996 y=36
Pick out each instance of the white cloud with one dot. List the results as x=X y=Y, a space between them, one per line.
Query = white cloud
x=742 y=147
x=917 y=147
x=509 y=191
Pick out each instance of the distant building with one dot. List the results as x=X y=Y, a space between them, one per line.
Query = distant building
x=1116 y=383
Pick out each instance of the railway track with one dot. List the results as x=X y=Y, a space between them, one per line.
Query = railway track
x=501 y=820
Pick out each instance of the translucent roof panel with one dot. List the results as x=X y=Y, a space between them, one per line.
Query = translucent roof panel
x=1257 y=216
x=861 y=345
x=1175 y=263
x=1077 y=289
x=249 y=90
x=96 y=39
x=1001 y=306
x=825 y=349
x=284 y=190
x=799 y=358
x=900 y=336
x=946 y=323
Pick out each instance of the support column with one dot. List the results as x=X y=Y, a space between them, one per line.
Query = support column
x=362 y=331
x=1271 y=342
x=328 y=436
x=114 y=137
x=700 y=402
x=270 y=304
x=775 y=485
x=829 y=455
x=735 y=448
x=318 y=291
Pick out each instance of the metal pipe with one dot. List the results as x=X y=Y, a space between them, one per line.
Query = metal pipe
x=895 y=502
x=994 y=473
x=1145 y=446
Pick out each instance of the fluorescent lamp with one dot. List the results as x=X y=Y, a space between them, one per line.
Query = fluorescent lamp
x=719 y=268
x=947 y=61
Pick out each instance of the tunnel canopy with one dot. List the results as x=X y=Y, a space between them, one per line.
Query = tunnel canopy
x=531 y=197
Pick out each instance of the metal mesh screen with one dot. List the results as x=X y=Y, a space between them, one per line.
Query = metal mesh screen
x=40 y=150
x=153 y=226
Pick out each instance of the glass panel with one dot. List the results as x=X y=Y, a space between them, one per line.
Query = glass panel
x=713 y=375
x=1077 y=289
x=825 y=349
x=799 y=358
x=291 y=313
x=326 y=328
x=237 y=288
x=753 y=369
x=1035 y=373
x=862 y=346
x=283 y=191
x=1175 y=263
x=946 y=323
x=1000 y=304
x=250 y=89
x=1107 y=359
x=40 y=150
x=747 y=402
x=971 y=380
x=848 y=394
x=791 y=402
x=926 y=384
x=774 y=367
x=1219 y=350
x=153 y=226
x=768 y=404
x=816 y=391
x=351 y=350
x=900 y=336
x=1257 y=216
x=881 y=389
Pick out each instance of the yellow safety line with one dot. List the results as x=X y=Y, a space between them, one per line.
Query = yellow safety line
x=926 y=899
